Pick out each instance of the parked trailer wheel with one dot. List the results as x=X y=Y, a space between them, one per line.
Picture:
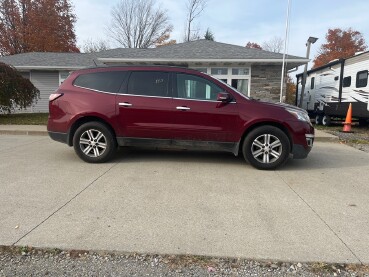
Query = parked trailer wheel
x=326 y=120
x=318 y=119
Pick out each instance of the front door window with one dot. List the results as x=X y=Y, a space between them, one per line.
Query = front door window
x=242 y=85
x=193 y=87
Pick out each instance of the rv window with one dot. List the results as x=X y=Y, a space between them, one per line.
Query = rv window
x=346 y=82
x=312 y=83
x=362 y=79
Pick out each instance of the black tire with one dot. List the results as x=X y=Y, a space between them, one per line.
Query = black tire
x=256 y=139
x=326 y=120
x=363 y=122
x=94 y=142
x=318 y=119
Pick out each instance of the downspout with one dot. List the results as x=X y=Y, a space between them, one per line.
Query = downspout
x=341 y=80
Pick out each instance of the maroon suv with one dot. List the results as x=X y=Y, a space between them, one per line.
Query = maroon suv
x=96 y=110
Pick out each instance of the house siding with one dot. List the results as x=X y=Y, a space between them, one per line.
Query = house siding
x=266 y=82
x=47 y=82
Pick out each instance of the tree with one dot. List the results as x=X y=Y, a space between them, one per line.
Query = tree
x=290 y=91
x=93 y=46
x=194 y=9
x=253 y=45
x=15 y=91
x=164 y=41
x=139 y=24
x=273 y=45
x=209 y=35
x=36 y=26
x=339 y=44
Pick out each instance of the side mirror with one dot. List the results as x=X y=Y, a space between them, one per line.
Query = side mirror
x=224 y=97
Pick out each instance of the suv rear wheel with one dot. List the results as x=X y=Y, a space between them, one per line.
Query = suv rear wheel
x=94 y=142
x=266 y=147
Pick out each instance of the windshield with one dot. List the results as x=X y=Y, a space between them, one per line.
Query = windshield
x=232 y=88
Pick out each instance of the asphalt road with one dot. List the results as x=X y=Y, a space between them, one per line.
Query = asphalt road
x=180 y=202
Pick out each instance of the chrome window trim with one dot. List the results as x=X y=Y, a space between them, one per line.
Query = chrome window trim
x=96 y=90
x=138 y=95
x=202 y=100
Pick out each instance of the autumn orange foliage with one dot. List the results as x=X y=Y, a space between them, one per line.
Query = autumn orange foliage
x=339 y=44
x=36 y=26
x=164 y=40
x=253 y=45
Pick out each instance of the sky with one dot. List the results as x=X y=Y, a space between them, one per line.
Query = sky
x=239 y=21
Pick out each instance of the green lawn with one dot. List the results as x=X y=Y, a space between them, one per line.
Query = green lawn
x=24 y=119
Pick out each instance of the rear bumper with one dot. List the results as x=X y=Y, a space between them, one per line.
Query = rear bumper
x=60 y=137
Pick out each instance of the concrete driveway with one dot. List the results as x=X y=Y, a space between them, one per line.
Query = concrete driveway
x=178 y=202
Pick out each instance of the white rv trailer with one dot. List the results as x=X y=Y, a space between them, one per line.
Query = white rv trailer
x=331 y=88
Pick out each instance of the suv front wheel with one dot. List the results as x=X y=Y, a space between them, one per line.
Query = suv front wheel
x=266 y=147
x=94 y=142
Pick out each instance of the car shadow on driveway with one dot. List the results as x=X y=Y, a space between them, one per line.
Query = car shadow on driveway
x=323 y=156
x=134 y=154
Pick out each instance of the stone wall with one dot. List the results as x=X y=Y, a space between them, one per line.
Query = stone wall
x=266 y=82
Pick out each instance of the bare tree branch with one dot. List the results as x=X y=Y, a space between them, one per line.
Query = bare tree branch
x=138 y=23
x=273 y=45
x=194 y=9
x=93 y=46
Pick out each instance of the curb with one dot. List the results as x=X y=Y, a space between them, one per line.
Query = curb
x=20 y=132
x=326 y=139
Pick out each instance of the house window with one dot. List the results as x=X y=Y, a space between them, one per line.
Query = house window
x=362 y=79
x=219 y=71
x=240 y=71
x=346 y=82
x=202 y=69
x=312 y=83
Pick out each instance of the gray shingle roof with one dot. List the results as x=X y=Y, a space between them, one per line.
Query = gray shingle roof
x=200 y=49
x=46 y=59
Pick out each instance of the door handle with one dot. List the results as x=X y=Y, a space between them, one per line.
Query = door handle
x=125 y=104
x=182 y=108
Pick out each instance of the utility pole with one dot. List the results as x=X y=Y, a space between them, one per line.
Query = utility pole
x=310 y=41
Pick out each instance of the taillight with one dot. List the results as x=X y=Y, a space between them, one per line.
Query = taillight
x=55 y=96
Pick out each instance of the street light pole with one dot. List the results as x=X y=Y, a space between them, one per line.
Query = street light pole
x=310 y=41
x=285 y=49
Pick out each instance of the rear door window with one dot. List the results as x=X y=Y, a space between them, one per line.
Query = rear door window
x=148 y=83
x=109 y=81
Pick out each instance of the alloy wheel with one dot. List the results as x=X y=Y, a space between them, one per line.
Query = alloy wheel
x=266 y=148
x=93 y=143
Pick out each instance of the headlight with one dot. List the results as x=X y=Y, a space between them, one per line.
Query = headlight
x=299 y=115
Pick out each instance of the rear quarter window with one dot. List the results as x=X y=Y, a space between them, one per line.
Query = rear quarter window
x=101 y=81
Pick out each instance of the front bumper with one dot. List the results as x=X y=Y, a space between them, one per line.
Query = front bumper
x=300 y=151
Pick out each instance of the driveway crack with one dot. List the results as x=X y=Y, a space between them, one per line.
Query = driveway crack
x=316 y=213
x=65 y=204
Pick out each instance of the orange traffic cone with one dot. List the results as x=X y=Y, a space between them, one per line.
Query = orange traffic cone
x=347 y=123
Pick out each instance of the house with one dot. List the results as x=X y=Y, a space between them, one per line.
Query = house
x=254 y=72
